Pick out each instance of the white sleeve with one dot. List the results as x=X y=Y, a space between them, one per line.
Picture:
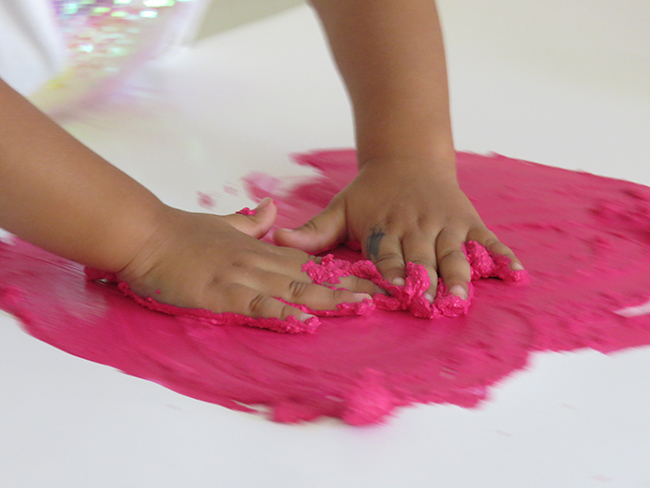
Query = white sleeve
x=31 y=46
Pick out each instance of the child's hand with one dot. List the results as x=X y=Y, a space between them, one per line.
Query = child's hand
x=400 y=212
x=405 y=204
x=58 y=194
x=217 y=263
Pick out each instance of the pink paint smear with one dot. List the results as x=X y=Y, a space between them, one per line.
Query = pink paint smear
x=206 y=201
x=584 y=239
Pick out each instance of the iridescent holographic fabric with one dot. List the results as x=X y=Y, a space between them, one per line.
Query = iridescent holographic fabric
x=107 y=40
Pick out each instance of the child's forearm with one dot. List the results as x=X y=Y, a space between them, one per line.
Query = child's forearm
x=405 y=205
x=58 y=194
x=391 y=56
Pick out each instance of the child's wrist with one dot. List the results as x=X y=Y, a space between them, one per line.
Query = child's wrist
x=130 y=232
x=440 y=167
x=432 y=146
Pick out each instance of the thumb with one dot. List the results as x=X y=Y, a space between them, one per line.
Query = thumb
x=321 y=232
x=255 y=223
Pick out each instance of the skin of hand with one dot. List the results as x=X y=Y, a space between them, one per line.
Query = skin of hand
x=405 y=204
x=401 y=216
x=196 y=260
x=58 y=194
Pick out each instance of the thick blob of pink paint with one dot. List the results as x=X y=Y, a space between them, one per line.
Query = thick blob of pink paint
x=585 y=241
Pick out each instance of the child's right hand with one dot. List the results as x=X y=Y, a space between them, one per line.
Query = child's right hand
x=218 y=263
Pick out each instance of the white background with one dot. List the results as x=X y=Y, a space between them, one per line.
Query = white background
x=562 y=83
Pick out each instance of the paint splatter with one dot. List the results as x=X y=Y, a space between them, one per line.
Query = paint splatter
x=584 y=240
x=230 y=189
x=206 y=201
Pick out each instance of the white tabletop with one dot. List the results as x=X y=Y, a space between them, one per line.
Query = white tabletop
x=557 y=85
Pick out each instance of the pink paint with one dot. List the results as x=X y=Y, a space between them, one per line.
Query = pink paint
x=206 y=201
x=585 y=241
x=410 y=297
x=230 y=189
x=246 y=211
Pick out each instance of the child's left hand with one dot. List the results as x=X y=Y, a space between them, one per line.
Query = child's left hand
x=403 y=211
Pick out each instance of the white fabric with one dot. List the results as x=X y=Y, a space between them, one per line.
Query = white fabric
x=31 y=47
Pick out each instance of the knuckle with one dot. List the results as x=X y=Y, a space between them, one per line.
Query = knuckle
x=389 y=258
x=492 y=242
x=356 y=283
x=251 y=260
x=426 y=224
x=455 y=277
x=420 y=259
x=309 y=257
x=451 y=254
x=309 y=225
x=393 y=228
x=287 y=311
x=208 y=291
x=497 y=247
x=455 y=270
x=238 y=263
x=258 y=305
x=292 y=254
x=298 y=289
x=339 y=295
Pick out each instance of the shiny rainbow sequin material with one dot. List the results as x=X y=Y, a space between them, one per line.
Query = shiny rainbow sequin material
x=107 y=40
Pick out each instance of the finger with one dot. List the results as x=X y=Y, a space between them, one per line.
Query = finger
x=453 y=267
x=314 y=296
x=419 y=249
x=490 y=241
x=258 y=224
x=359 y=285
x=291 y=265
x=323 y=231
x=237 y=298
x=290 y=253
x=385 y=250
x=263 y=257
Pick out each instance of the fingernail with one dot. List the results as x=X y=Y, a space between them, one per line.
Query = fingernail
x=516 y=267
x=458 y=291
x=428 y=296
x=265 y=201
x=360 y=297
x=398 y=281
x=306 y=316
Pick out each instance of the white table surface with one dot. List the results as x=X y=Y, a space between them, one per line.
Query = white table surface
x=565 y=86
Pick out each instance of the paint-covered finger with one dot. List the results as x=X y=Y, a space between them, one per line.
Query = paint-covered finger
x=419 y=249
x=491 y=242
x=237 y=298
x=385 y=250
x=293 y=268
x=314 y=296
x=258 y=223
x=453 y=267
x=321 y=232
x=359 y=285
